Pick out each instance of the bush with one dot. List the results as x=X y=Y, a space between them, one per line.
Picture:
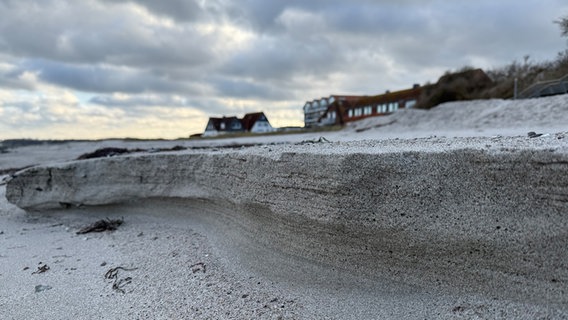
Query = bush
x=499 y=83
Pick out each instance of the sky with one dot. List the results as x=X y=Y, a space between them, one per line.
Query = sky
x=95 y=69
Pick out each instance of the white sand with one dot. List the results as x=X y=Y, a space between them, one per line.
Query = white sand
x=249 y=262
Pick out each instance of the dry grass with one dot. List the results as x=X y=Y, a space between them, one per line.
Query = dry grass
x=501 y=86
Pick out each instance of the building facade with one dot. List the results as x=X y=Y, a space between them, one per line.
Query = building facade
x=382 y=104
x=321 y=112
x=338 y=110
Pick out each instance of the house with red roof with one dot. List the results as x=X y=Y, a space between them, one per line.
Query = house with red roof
x=251 y=122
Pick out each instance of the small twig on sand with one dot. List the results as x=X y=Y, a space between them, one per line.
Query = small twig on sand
x=200 y=266
x=118 y=283
x=112 y=273
x=102 y=225
x=41 y=269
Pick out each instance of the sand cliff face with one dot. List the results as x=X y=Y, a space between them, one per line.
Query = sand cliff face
x=349 y=183
x=486 y=215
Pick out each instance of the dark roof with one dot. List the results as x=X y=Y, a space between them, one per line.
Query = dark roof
x=227 y=121
x=236 y=124
x=337 y=97
x=349 y=100
x=250 y=119
x=345 y=102
x=394 y=96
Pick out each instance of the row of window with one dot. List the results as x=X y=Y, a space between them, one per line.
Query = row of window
x=237 y=126
x=234 y=126
x=368 y=110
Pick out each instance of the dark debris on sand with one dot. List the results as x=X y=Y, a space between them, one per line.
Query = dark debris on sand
x=111 y=152
x=104 y=152
x=102 y=225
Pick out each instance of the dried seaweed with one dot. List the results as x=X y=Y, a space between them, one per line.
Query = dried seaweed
x=320 y=140
x=119 y=283
x=111 y=152
x=103 y=152
x=102 y=225
x=41 y=269
x=533 y=134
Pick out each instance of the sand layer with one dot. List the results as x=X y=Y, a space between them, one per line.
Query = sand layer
x=453 y=227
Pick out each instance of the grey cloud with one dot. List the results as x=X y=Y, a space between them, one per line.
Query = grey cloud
x=243 y=89
x=282 y=58
x=93 y=78
x=128 y=103
x=263 y=15
x=85 y=33
x=376 y=20
x=13 y=80
x=138 y=101
x=181 y=10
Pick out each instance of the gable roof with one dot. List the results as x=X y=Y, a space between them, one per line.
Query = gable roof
x=222 y=124
x=250 y=119
x=235 y=124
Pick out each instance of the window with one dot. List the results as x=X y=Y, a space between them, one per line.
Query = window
x=222 y=125
x=368 y=110
x=410 y=103
x=350 y=113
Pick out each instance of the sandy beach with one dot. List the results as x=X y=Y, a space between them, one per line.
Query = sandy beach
x=418 y=215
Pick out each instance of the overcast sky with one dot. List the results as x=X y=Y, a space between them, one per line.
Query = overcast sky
x=159 y=69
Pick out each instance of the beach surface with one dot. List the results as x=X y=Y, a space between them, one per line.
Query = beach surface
x=453 y=213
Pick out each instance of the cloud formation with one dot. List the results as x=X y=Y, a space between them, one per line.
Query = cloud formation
x=78 y=69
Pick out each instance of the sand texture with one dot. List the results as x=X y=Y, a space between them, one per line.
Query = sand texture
x=360 y=225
